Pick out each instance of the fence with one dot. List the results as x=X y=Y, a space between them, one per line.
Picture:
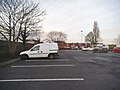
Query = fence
x=4 y=50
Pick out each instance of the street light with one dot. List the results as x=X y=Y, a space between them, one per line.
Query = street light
x=81 y=37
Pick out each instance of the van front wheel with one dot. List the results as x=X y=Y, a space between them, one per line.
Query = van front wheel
x=24 y=57
x=51 y=56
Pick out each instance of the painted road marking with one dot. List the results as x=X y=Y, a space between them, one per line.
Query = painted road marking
x=40 y=80
x=83 y=59
x=101 y=58
x=60 y=60
x=22 y=66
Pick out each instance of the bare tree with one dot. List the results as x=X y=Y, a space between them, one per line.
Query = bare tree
x=96 y=32
x=90 y=38
x=54 y=36
x=32 y=20
x=37 y=34
x=11 y=21
x=94 y=36
x=16 y=16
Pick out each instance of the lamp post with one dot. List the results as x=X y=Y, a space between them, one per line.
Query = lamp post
x=81 y=37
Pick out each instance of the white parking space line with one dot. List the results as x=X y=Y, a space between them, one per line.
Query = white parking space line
x=101 y=58
x=22 y=66
x=59 y=60
x=84 y=59
x=40 y=80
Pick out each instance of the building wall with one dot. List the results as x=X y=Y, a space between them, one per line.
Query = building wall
x=63 y=45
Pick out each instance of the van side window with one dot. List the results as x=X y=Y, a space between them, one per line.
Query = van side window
x=35 y=48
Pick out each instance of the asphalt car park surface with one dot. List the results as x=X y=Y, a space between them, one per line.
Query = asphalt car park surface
x=72 y=70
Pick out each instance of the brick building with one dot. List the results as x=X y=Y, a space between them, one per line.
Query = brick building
x=64 y=45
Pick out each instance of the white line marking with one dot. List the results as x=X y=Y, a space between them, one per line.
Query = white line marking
x=101 y=58
x=47 y=60
x=39 y=80
x=83 y=59
x=42 y=66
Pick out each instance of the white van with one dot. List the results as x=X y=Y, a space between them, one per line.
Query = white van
x=49 y=50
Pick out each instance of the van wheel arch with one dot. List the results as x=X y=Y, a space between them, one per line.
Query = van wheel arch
x=24 y=56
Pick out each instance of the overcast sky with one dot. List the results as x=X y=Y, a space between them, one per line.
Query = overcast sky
x=72 y=16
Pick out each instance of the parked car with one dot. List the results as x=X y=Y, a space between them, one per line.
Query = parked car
x=49 y=50
x=100 y=49
x=116 y=49
x=87 y=48
x=90 y=48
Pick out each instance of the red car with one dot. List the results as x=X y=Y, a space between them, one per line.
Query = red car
x=116 y=49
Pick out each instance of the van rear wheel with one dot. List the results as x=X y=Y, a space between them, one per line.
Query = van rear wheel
x=51 y=56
